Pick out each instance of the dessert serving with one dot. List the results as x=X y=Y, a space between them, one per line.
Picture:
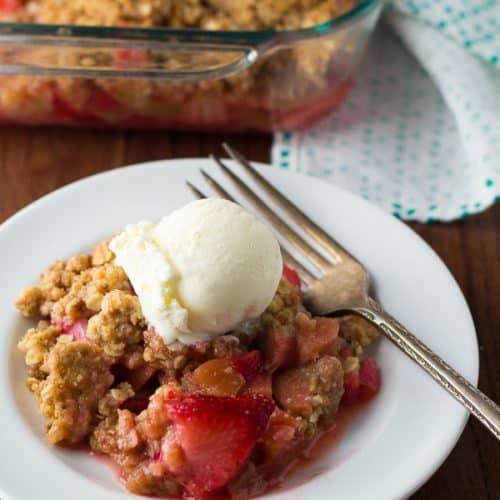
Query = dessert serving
x=182 y=352
x=276 y=64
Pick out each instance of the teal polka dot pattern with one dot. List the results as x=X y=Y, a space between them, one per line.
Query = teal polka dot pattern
x=475 y=24
x=419 y=134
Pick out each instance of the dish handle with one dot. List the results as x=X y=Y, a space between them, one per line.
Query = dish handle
x=97 y=52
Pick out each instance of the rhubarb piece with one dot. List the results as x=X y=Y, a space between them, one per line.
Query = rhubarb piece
x=315 y=337
x=316 y=387
x=280 y=432
x=261 y=384
x=278 y=344
x=77 y=329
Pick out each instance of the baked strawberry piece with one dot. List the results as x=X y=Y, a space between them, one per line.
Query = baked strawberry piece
x=10 y=6
x=217 y=436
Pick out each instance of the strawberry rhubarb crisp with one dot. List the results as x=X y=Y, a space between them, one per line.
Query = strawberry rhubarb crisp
x=287 y=88
x=127 y=359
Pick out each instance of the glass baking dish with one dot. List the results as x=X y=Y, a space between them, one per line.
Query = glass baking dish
x=180 y=78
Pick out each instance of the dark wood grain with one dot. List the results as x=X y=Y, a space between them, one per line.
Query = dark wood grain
x=33 y=162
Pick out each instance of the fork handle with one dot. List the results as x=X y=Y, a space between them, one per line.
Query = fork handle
x=477 y=403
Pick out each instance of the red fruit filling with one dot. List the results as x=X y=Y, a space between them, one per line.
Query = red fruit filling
x=135 y=404
x=369 y=378
x=9 y=6
x=78 y=328
x=292 y=276
x=217 y=436
x=286 y=346
x=131 y=57
x=249 y=365
x=361 y=384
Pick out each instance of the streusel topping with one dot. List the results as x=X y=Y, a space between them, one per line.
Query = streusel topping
x=205 y=14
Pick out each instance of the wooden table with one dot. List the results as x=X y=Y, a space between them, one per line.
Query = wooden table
x=36 y=161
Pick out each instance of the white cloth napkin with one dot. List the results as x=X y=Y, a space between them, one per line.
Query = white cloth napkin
x=419 y=134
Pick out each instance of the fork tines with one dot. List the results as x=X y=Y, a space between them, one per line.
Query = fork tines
x=302 y=247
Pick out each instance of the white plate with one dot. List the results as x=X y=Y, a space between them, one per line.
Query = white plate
x=386 y=453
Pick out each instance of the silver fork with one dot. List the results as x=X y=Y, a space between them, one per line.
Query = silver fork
x=340 y=284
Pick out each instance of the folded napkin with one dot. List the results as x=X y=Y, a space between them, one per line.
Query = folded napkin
x=419 y=134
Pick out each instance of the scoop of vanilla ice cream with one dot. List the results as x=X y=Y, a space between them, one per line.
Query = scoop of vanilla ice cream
x=201 y=270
